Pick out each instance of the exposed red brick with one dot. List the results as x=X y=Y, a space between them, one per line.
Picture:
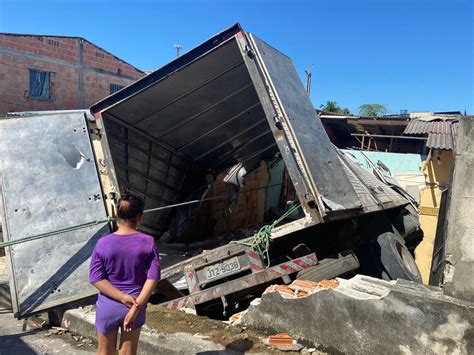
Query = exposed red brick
x=14 y=76
x=304 y=285
x=328 y=283
x=281 y=339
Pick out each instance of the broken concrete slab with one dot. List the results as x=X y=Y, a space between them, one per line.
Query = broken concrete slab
x=81 y=321
x=367 y=315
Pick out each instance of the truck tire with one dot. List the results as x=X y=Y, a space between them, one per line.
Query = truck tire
x=396 y=258
x=329 y=268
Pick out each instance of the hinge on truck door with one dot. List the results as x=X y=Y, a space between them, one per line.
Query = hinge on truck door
x=96 y=132
x=310 y=200
x=250 y=51
x=278 y=122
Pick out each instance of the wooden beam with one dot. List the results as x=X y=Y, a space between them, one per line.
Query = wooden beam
x=387 y=136
x=377 y=122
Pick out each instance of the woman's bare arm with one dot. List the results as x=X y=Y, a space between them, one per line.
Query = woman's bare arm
x=142 y=299
x=108 y=289
x=147 y=290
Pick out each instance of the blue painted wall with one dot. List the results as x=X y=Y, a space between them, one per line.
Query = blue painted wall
x=396 y=162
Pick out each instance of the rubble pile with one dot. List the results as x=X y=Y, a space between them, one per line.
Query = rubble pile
x=297 y=289
x=301 y=288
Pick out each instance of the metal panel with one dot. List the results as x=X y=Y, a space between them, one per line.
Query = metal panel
x=374 y=194
x=50 y=182
x=318 y=159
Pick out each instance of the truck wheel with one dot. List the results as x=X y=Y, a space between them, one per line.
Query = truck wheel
x=329 y=268
x=396 y=258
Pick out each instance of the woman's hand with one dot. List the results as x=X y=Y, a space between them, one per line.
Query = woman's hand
x=108 y=289
x=129 y=300
x=130 y=318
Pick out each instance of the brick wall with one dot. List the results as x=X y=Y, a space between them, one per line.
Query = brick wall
x=214 y=218
x=82 y=72
x=249 y=210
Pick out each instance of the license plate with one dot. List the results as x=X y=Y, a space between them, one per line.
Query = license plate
x=221 y=269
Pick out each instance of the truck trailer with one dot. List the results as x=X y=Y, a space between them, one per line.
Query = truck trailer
x=220 y=109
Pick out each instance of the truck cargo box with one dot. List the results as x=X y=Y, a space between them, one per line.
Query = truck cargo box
x=233 y=101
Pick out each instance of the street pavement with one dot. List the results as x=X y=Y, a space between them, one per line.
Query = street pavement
x=13 y=340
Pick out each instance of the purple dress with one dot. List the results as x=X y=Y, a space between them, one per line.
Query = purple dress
x=127 y=261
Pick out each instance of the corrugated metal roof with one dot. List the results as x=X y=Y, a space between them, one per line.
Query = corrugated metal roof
x=441 y=133
x=424 y=127
x=440 y=141
x=417 y=127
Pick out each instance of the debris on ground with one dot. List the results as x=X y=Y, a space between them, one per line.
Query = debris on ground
x=283 y=342
x=297 y=289
x=301 y=288
x=233 y=338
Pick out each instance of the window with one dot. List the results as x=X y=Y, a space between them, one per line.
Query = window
x=53 y=42
x=115 y=87
x=40 y=84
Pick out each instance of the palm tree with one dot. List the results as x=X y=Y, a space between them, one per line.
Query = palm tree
x=332 y=106
x=372 y=110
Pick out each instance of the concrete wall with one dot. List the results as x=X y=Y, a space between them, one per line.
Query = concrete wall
x=370 y=316
x=459 y=224
x=82 y=71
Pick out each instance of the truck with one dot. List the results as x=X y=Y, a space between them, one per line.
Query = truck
x=222 y=108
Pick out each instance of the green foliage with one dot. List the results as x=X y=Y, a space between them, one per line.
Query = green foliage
x=372 y=110
x=332 y=106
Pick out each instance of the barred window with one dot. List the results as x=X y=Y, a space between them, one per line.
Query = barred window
x=40 y=84
x=115 y=87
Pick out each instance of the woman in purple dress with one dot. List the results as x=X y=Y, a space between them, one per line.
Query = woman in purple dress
x=125 y=268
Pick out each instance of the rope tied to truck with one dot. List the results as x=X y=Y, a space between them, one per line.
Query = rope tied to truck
x=261 y=240
x=111 y=219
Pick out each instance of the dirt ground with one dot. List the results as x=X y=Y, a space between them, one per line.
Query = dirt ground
x=233 y=338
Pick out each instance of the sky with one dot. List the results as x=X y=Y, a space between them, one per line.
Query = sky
x=414 y=55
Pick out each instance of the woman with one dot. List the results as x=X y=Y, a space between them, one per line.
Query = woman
x=125 y=268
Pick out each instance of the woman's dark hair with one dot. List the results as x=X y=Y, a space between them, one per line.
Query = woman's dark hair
x=129 y=207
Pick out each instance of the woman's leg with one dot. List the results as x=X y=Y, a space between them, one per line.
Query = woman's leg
x=129 y=342
x=107 y=343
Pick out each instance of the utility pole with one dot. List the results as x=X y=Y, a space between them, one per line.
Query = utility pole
x=308 y=80
x=178 y=47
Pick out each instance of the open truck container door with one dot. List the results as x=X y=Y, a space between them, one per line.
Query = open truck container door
x=232 y=100
x=49 y=183
x=304 y=144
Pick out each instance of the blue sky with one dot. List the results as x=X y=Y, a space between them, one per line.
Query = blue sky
x=406 y=54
